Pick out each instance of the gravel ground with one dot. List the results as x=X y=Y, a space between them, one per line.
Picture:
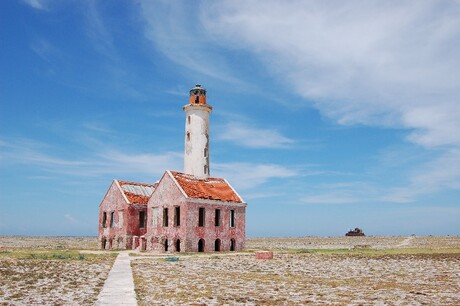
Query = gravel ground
x=399 y=242
x=45 y=242
x=426 y=271
x=308 y=270
x=45 y=271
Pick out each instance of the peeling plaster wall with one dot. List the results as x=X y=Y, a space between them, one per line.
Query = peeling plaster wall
x=126 y=220
x=197 y=140
x=210 y=232
x=168 y=195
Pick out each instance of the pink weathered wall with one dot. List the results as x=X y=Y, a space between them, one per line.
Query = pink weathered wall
x=210 y=232
x=167 y=194
x=120 y=235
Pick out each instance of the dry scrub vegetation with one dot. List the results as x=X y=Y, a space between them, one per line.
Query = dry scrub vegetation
x=310 y=270
x=340 y=271
x=46 y=271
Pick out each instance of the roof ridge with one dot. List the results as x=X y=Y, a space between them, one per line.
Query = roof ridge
x=136 y=183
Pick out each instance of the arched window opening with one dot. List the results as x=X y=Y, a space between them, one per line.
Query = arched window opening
x=178 y=245
x=232 y=244
x=217 y=245
x=188 y=136
x=166 y=245
x=201 y=245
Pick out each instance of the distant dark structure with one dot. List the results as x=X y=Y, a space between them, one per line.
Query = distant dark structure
x=356 y=232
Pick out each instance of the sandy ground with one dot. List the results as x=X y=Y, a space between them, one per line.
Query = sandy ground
x=308 y=270
x=46 y=271
x=364 y=271
x=399 y=242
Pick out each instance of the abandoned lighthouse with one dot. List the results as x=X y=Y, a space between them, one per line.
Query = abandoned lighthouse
x=186 y=211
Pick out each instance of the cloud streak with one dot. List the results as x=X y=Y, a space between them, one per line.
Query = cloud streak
x=381 y=63
x=244 y=175
x=386 y=64
x=102 y=161
x=36 y=4
x=252 y=137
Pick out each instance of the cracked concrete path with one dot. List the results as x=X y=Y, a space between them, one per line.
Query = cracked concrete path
x=119 y=286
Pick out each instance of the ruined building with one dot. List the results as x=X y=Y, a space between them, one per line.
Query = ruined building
x=182 y=212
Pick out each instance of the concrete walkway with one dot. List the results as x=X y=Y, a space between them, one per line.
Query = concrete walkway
x=119 y=286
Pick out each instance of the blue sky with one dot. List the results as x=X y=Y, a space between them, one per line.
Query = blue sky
x=327 y=115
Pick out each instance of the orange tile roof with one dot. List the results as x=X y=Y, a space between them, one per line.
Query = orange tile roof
x=137 y=193
x=210 y=188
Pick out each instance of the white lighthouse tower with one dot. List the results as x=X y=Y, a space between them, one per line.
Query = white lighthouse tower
x=196 y=157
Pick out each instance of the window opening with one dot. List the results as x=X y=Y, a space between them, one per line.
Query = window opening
x=178 y=245
x=155 y=216
x=217 y=245
x=188 y=119
x=104 y=243
x=188 y=136
x=166 y=245
x=120 y=218
x=217 y=217
x=232 y=218
x=201 y=245
x=205 y=169
x=177 y=216
x=112 y=219
x=205 y=152
x=232 y=244
x=165 y=217
x=201 y=216
x=141 y=219
x=104 y=219
x=197 y=99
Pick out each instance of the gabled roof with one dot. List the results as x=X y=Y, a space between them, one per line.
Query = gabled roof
x=137 y=193
x=211 y=188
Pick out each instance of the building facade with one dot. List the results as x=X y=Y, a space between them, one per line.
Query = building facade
x=191 y=214
x=123 y=215
x=186 y=211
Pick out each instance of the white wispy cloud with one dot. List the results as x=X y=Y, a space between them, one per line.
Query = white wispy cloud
x=441 y=172
x=252 y=137
x=175 y=29
x=244 y=176
x=45 y=49
x=115 y=163
x=330 y=198
x=36 y=4
x=70 y=218
x=98 y=32
x=379 y=63
x=102 y=161
x=388 y=64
